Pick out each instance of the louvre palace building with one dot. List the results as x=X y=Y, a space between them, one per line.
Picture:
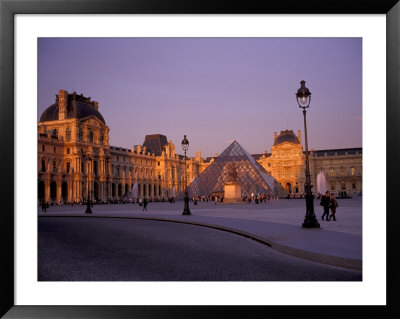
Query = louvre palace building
x=76 y=160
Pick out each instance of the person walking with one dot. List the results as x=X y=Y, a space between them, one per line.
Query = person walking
x=43 y=206
x=333 y=205
x=145 y=204
x=325 y=202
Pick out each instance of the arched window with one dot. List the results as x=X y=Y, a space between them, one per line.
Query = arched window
x=341 y=171
x=54 y=133
x=68 y=134
x=353 y=171
x=331 y=172
x=80 y=134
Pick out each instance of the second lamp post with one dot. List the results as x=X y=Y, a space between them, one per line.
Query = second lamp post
x=185 y=146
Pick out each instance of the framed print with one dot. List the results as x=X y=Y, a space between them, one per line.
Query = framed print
x=31 y=33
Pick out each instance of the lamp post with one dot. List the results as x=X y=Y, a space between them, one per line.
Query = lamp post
x=303 y=97
x=185 y=146
x=88 y=208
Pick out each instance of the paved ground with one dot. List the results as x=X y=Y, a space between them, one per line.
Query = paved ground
x=71 y=249
x=277 y=223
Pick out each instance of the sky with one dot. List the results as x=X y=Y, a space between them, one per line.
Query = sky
x=214 y=90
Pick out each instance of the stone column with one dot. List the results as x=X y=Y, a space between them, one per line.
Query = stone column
x=47 y=188
x=58 y=182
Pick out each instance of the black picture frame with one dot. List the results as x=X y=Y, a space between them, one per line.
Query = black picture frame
x=9 y=8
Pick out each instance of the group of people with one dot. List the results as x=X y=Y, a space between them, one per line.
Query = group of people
x=328 y=201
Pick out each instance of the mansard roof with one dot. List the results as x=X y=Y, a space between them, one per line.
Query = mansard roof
x=155 y=143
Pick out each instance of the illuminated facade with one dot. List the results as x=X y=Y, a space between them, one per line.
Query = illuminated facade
x=76 y=161
x=342 y=168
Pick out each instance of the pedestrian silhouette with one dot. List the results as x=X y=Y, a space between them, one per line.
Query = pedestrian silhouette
x=145 y=204
x=325 y=202
x=333 y=205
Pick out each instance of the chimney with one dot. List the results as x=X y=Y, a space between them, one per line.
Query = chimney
x=299 y=135
x=62 y=104
x=95 y=105
x=275 y=136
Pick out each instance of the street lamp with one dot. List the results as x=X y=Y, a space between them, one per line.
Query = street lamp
x=303 y=97
x=185 y=146
x=88 y=208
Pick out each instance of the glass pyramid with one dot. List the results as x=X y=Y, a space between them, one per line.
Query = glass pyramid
x=251 y=176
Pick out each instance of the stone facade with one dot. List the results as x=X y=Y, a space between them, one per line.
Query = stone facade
x=286 y=163
x=76 y=161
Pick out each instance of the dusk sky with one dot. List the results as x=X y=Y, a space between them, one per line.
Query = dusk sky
x=214 y=90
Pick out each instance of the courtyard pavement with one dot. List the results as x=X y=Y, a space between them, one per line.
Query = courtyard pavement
x=276 y=223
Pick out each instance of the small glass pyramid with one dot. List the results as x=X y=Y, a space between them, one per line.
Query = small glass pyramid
x=251 y=176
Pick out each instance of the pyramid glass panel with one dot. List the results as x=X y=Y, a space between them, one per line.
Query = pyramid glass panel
x=251 y=176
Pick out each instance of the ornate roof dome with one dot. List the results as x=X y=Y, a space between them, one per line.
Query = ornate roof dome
x=77 y=106
x=286 y=136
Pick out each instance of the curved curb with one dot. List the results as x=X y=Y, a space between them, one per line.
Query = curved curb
x=348 y=263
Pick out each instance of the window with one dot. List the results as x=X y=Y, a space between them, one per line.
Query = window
x=91 y=136
x=82 y=167
x=80 y=134
x=43 y=166
x=343 y=185
x=54 y=166
x=117 y=172
x=269 y=164
x=353 y=184
x=43 y=148
x=158 y=163
x=55 y=149
x=332 y=185
x=341 y=171
x=353 y=171
x=68 y=150
x=54 y=133
x=101 y=137
x=68 y=134
x=331 y=172
x=68 y=167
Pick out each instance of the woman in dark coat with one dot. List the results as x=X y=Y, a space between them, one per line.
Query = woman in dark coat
x=333 y=206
